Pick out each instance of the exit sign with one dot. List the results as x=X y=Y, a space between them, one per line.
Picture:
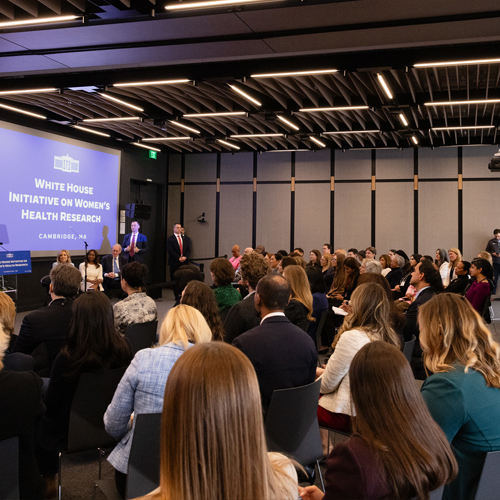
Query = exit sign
x=153 y=154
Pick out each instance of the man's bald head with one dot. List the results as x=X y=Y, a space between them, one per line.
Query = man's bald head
x=274 y=292
x=248 y=250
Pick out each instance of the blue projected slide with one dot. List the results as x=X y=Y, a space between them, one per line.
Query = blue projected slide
x=51 y=185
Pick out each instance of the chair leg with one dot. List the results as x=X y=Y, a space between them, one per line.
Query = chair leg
x=59 y=476
x=320 y=476
x=101 y=454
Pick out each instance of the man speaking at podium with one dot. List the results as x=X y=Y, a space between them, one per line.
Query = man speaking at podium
x=135 y=244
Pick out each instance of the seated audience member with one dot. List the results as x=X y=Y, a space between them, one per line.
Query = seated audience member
x=327 y=271
x=427 y=282
x=93 y=345
x=360 y=256
x=299 y=250
x=337 y=288
x=463 y=389
x=283 y=253
x=286 y=261
x=183 y=275
x=300 y=307
x=352 y=252
x=385 y=261
x=215 y=382
x=370 y=253
x=63 y=257
x=314 y=258
x=21 y=410
x=327 y=248
x=480 y=289
x=320 y=302
x=396 y=274
x=487 y=256
x=222 y=274
x=44 y=332
x=112 y=266
x=369 y=321
x=243 y=316
x=351 y=270
x=282 y=354
x=248 y=250
x=142 y=388
x=274 y=262
x=427 y=257
x=443 y=265
x=455 y=257
x=392 y=252
x=401 y=288
x=461 y=282
x=137 y=307
x=201 y=297
x=373 y=266
x=93 y=270
x=397 y=450
x=362 y=267
x=235 y=259
x=261 y=249
x=343 y=251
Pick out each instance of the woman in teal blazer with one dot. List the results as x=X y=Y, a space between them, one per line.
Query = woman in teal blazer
x=463 y=393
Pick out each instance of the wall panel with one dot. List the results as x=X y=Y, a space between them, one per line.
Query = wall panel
x=312 y=165
x=312 y=216
x=437 y=163
x=476 y=159
x=394 y=164
x=237 y=167
x=438 y=216
x=353 y=165
x=274 y=166
x=174 y=168
x=201 y=168
x=273 y=216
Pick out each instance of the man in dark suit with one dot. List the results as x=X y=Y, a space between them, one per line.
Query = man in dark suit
x=243 y=316
x=461 y=282
x=112 y=266
x=135 y=244
x=427 y=281
x=45 y=331
x=178 y=249
x=283 y=355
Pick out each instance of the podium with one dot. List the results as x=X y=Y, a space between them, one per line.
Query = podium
x=12 y=264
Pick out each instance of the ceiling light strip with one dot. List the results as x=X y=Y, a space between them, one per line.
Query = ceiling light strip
x=317 y=141
x=249 y=136
x=403 y=119
x=158 y=82
x=17 y=110
x=289 y=123
x=91 y=131
x=213 y=3
x=245 y=95
x=207 y=115
x=384 y=85
x=30 y=91
x=145 y=146
x=98 y=120
x=46 y=20
x=340 y=108
x=459 y=103
x=296 y=73
x=414 y=140
x=122 y=102
x=180 y=138
x=346 y=132
x=228 y=144
x=456 y=63
x=177 y=124
x=473 y=127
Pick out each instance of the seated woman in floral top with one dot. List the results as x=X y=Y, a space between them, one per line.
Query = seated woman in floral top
x=222 y=274
x=137 y=307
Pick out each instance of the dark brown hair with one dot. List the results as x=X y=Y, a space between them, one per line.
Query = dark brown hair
x=96 y=259
x=223 y=271
x=393 y=418
x=253 y=268
x=134 y=273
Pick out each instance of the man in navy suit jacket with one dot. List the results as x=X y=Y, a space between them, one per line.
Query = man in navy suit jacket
x=283 y=355
x=135 y=253
x=112 y=279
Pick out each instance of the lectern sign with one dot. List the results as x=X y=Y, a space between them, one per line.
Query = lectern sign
x=15 y=262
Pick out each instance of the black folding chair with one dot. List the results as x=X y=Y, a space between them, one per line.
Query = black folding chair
x=292 y=424
x=9 y=469
x=141 y=335
x=319 y=330
x=86 y=426
x=489 y=482
x=408 y=348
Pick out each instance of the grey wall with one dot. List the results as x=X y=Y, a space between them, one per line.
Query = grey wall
x=295 y=202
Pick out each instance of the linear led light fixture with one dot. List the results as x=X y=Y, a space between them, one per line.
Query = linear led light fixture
x=384 y=85
x=340 y=108
x=206 y=115
x=473 y=127
x=17 y=110
x=458 y=103
x=296 y=73
x=317 y=141
x=85 y=129
x=125 y=119
x=345 y=132
x=30 y=91
x=177 y=124
x=249 y=136
x=245 y=95
x=213 y=3
x=46 y=20
x=145 y=147
x=180 y=138
x=456 y=63
x=228 y=144
x=403 y=119
x=414 y=139
x=159 y=82
x=286 y=150
x=289 y=123
x=122 y=102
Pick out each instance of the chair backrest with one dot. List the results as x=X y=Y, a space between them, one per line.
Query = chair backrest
x=93 y=395
x=143 y=474
x=408 y=348
x=292 y=423
x=489 y=482
x=9 y=469
x=319 y=330
x=141 y=335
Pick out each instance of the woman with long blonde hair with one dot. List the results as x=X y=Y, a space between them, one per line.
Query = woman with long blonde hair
x=370 y=320
x=337 y=289
x=300 y=308
x=213 y=445
x=463 y=391
x=142 y=387
x=455 y=256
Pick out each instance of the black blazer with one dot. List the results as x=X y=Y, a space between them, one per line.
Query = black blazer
x=458 y=285
x=297 y=313
x=174 y=251
x=107 y=267
x=49 y=326
x=241 y=317
x=21 y=409
x=282 y=354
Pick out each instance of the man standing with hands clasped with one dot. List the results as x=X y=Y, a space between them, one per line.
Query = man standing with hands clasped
x=494 y=248
x=178 y=249
x=135 y=244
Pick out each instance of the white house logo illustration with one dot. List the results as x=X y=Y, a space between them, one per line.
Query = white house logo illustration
x=10 y=255
x=66 y=164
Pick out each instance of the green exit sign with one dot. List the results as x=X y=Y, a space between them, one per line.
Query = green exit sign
x=153 y=154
